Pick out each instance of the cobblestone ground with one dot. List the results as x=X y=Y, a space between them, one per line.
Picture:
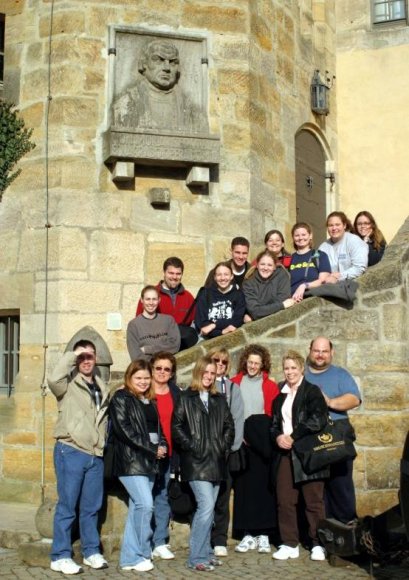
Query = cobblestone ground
x=251 y=565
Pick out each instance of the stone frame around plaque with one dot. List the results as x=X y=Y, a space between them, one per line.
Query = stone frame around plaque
x=149 y=124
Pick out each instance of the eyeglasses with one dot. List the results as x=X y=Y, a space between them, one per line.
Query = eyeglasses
x=164 y=369
x=220 y=361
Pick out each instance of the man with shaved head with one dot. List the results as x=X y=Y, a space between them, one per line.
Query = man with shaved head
x=341 y=394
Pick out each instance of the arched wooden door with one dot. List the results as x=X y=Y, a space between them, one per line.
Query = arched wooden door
x=310 y=183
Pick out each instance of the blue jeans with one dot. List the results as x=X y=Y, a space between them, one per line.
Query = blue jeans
x=161 y=513
x=136 y=542
x=79 y=482
x=200 y=550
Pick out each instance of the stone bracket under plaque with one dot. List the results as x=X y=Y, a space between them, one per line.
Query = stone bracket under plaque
x=198 y=176
x=158 y=116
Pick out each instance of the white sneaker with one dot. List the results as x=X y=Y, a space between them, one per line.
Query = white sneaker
x=247 y=543
x=286 y=552
x=220 y=551
x=163 y=552
x=318 y=554
x=144 y=566
x=66 y=566
x=263 y=544
x=96 y=561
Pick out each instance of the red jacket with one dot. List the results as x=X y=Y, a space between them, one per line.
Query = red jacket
x=270 y=390
x=178 y=309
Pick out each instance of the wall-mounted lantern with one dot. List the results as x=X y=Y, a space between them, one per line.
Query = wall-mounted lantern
x=320 y=93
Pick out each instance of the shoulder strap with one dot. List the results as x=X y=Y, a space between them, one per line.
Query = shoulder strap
x=315 y=258
x=231 y=393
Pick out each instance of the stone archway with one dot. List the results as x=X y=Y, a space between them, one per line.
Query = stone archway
x=311 y=160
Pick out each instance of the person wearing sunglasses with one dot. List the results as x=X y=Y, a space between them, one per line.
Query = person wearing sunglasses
x=235 y=401
x=167 y=394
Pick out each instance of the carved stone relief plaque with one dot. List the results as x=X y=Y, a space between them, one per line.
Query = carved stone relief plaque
x=158 y=100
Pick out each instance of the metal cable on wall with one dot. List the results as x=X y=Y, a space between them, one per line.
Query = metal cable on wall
x=47 y=227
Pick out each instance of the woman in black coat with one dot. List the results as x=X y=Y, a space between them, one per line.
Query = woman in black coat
x=203 y=433
x=138 y=445
x=299 y=410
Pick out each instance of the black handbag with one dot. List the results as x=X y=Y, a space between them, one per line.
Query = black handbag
x=181 y=499
x=332 y=444
x=237 y=460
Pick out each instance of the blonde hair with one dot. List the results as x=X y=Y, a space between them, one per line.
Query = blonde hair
x=296 y=357
x=198 y=372
x=220 y=352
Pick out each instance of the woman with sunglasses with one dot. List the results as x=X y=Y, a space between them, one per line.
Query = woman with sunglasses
x=203 y=433
x=138 y=447
x=235 y=402
x=167 y=394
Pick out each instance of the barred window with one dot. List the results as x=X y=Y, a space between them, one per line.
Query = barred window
x=9 y=349
x=388 y=10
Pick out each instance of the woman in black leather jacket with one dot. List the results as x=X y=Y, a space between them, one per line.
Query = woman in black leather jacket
x=138 y=446
x=300 y=409
x=203 y=433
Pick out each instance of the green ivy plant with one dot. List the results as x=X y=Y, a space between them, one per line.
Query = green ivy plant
x=14 y=143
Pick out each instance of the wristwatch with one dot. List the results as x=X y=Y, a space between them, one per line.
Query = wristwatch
x=307 y=285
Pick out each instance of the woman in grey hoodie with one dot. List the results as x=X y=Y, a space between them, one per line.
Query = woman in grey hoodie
x=267 y=288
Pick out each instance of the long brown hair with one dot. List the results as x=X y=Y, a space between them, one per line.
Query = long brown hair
x=376 y=236
x=134 y=367
x=198 y=372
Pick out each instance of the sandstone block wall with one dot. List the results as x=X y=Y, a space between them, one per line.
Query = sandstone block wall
x=106 y=241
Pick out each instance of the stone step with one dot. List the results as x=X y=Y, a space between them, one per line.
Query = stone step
x=17 y=525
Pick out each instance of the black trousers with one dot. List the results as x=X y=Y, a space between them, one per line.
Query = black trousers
x=340 y=502
x=222 y=513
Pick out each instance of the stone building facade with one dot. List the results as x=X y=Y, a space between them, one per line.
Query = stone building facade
x=77 y=243
x=372 y=95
